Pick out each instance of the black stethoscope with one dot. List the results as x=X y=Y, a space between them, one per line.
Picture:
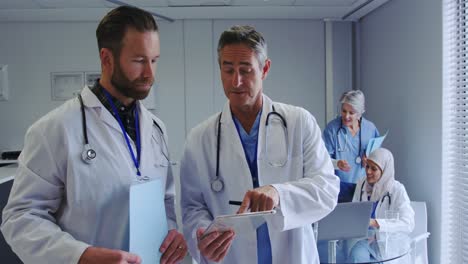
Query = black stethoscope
x=340 y=146
x=89 y=154
x=387 y=195
x=217 y=184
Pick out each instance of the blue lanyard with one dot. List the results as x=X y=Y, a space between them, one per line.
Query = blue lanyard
x=137 y=128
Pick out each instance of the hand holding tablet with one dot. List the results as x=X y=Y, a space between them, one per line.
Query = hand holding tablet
x=239 y=223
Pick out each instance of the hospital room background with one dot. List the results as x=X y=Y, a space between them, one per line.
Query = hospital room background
x=393 y=53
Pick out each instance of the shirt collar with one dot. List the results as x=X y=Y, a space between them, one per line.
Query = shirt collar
x=98 y=90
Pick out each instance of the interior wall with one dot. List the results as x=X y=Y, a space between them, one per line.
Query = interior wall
x=342 y=61
x=32 y=51
x=401 y=75
x=188 y=88
x=297 y=74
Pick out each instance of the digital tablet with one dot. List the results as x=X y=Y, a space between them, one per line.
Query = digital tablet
x=239 y=223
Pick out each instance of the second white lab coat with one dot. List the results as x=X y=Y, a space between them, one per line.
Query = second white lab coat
x=400 y=202
x=307 y=186
x=59 y=205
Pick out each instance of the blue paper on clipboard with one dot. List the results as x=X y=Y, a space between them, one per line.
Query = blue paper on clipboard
x=148 y=224
x=375 y=143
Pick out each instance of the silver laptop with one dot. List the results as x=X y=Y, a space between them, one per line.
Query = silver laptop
x=348 y=220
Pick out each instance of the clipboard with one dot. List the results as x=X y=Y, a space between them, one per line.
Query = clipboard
x=375 y=143
x=239 y=223
x=147 y=215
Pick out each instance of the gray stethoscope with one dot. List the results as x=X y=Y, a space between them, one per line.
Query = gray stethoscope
x=89 y=154
x=340 y=146
x=217 y=184
x=387 y=195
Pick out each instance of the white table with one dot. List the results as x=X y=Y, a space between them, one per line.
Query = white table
x=7 y=173
x=380 y=247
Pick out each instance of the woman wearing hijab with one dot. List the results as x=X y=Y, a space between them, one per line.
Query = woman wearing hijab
x=346 y=138
x=388 y=195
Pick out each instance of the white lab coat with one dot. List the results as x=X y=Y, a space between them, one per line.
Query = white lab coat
x=307 y=186
x=60 y=205
x=400 y=203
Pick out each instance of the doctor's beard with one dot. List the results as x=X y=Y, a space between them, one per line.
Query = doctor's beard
x=127 y=87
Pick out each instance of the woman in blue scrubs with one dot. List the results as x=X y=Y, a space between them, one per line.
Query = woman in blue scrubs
x=346 y=139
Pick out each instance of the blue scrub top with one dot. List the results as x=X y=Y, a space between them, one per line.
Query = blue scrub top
x=341 y=145
x=249 y=143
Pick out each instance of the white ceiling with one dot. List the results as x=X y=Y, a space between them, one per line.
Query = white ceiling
x=93 y=10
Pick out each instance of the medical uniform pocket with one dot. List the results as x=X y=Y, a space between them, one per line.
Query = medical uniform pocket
x=270 y=174
x=106 y=176
x=276 y=143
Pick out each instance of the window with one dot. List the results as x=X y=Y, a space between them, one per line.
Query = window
x=455 y=133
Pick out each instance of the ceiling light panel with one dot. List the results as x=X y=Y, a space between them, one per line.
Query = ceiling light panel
x=262 y=2
x=335 y=3
x=70 y=3
x=18 y=4
x=199 y=2
x=147 y=3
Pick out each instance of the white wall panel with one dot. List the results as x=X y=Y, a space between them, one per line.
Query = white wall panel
x=32 y=51
x=342 y=62
x=199 y=71
x=401 y=75
x=170 y=93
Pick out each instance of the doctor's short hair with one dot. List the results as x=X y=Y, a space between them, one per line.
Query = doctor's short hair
x=244 y=35
x=113 y=26
x=356 y=99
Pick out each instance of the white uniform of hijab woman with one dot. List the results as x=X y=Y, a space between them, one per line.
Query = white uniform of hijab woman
x=380 y=186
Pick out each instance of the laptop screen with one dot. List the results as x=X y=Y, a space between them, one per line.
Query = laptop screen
x=348 y=220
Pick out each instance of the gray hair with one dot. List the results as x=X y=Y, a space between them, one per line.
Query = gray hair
x=356 y=99
x=244 y=35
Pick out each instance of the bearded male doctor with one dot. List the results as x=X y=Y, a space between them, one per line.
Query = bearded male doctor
x=265 y=153
x=70 y=199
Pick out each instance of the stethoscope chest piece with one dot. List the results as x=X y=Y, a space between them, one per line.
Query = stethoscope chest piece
x=88 y=155
x=217 y=185
x=358 y=160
